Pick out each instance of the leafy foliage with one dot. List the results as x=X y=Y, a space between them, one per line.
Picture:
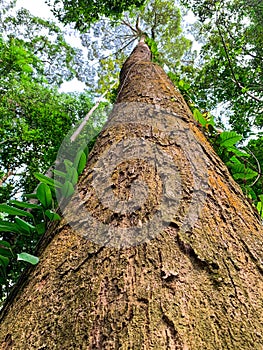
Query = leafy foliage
x=24 y=222
x=46 y=41
x=34 y=117
x=227 y=80
x=230 y=69
x=82 y=13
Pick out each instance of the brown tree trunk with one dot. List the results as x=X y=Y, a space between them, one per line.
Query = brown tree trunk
x=158 y=249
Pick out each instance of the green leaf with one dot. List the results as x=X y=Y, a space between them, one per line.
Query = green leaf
x=47 y=180
x=5 y=244
x=8 y=209
x=239 y=171
x=183 y=85
x=67 y=189
x=72 y=176
x=6 y=252
x=68 y=164
x=44 y=195
x=6 y=226
x=59 y=173
x=238 y=152
x=260 y=208
x=5 y=249
x=41 y=228
x=25 y=204
x=24 y=226
x=4 y=261
x=235 y=160
x=82 y=163
x=229 y=138
x=53 y=216
x=199 y=117
x=33 y=260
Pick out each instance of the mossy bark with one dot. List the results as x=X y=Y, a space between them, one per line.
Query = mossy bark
x=191 y=289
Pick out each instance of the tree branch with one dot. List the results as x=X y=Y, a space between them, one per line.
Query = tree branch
x=85 y=120
x=129 y=26
x=239 y=85
x=154 y=26
x=5 y=177
x=116 y=52
x=258 y=166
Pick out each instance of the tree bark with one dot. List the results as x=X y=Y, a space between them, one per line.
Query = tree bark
x=179 y=266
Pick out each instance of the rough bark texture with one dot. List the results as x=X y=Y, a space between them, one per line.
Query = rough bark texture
x=189 y=289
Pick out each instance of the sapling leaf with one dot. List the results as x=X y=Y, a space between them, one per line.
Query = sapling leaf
x=67 y=189
x=59 y=173
x=6 y=226
x=8 y=209
x=4 y=261
x=25 y=204
x=24 y=226
x=44 y=195
x=82 y=163
x=31 y=259
x=52 y=215
x=47 y=180
x=72 y=176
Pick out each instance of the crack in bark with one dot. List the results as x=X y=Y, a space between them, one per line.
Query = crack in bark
x=252 y=256
x=187 y=249
x=173 y=336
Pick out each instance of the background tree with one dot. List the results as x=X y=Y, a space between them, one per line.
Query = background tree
x=230 y=68
x=227 y=80
x=35 y=117
x=109 y=40
x=34 y=60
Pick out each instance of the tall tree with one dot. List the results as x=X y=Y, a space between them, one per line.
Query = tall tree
x=158 y=247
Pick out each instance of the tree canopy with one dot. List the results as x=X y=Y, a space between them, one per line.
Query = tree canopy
x=82 y=13
x=227 y=78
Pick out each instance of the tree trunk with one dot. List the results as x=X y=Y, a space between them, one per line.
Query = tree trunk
x=158 y=249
